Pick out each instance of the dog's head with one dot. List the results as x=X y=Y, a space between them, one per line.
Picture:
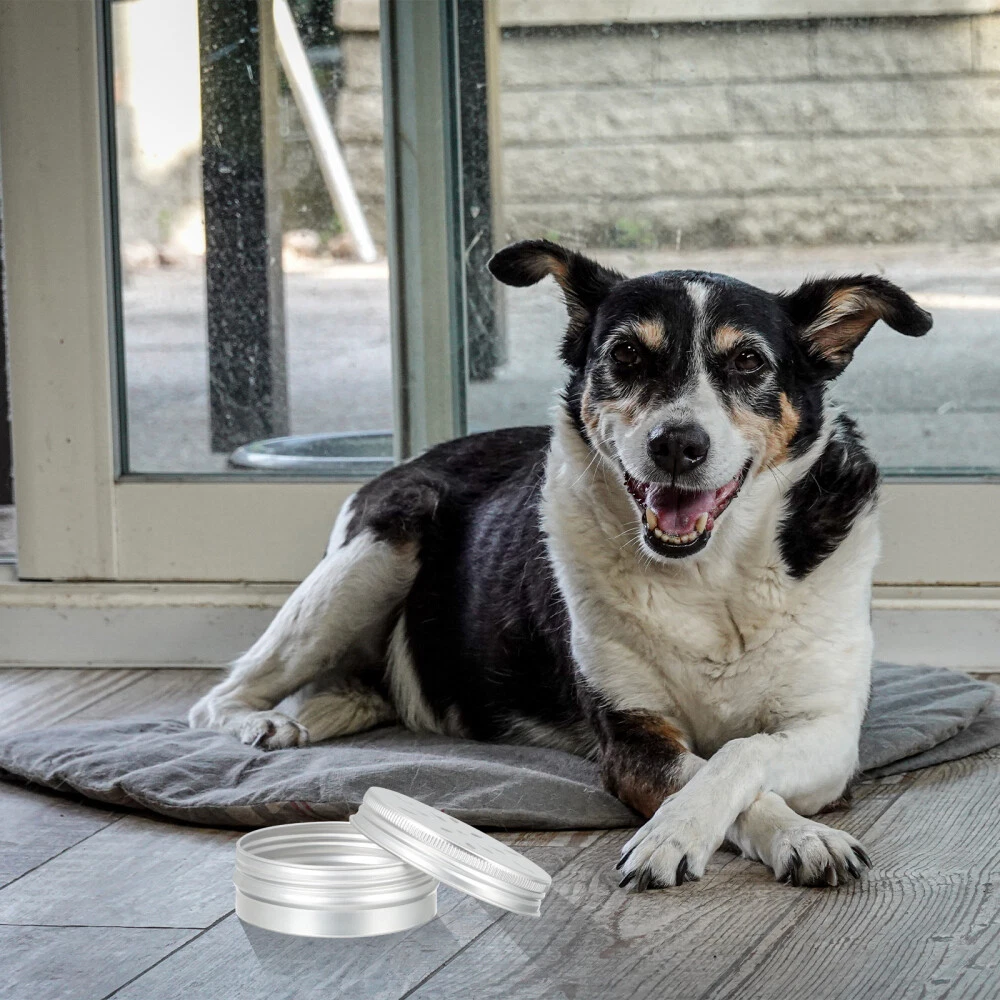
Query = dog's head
x=690 y=383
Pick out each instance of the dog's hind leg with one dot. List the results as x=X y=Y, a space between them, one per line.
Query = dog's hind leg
x=339 y=616
x=343 y=710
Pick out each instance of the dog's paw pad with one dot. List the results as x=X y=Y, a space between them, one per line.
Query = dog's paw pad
x=273 y=731
x=812 y=854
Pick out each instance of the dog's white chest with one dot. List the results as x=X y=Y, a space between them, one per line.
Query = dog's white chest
x=712 y=629
x=728 y=644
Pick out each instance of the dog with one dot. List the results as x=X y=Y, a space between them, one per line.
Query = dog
x=674 y=579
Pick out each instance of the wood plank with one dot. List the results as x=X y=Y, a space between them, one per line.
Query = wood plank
x=927 y=920
x=164 y=693
x=244 y=963
x=924 y=920
x=36 y=826
x=239 y=962
x=596 y=940
x=78 y=963
x=34 y=698
x=137 y=872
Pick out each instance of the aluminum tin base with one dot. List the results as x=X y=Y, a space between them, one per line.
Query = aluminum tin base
x=334 y=924
x=327 y=880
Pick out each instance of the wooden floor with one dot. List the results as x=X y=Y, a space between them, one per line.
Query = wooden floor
x=97 y=904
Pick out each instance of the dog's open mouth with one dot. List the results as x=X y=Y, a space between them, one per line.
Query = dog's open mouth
x=679 y=522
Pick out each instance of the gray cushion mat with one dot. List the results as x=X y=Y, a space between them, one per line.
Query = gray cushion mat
x=917 y=716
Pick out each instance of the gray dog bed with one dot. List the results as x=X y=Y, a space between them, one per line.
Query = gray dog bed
x=917 y=716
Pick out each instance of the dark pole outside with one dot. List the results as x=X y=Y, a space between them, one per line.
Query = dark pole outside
x=247 y=379
x=487 y=336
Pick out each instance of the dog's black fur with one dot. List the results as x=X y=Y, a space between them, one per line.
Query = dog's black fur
x=487 y=624
x=547 y=586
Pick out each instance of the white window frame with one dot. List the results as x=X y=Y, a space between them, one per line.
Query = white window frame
x=79 y=520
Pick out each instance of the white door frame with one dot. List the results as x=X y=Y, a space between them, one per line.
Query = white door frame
x=78 y=520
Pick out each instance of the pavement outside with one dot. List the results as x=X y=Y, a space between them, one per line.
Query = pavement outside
x=930 y=404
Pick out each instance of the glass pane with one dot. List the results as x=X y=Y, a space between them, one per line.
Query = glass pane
x=772 y=151
x=262 y=321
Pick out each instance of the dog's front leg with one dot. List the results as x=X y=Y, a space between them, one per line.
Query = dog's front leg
x=798 y=850
x=644 y=757
x=807 y=764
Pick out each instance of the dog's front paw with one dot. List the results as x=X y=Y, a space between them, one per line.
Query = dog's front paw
x=816 y=855
x=673 y=847
x=273 y=731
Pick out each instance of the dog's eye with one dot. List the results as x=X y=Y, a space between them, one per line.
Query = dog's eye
x=625 y=354
x=748 y=361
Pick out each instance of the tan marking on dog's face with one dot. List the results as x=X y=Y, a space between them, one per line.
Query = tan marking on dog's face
x=627 y=409
x=725 y=338
x=771 y=437
x=651 y=333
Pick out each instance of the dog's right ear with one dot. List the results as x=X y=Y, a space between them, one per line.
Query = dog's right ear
x=583 y=281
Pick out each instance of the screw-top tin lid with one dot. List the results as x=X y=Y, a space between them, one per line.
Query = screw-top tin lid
x=452 y=851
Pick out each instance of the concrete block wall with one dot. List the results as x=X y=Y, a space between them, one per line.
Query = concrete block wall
x=738 y=133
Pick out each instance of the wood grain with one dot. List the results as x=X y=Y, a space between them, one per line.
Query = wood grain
x=595 y=940
x=925 y=923
x=34 y=698
x=78 y=963
x=164 y=693
x=240 y=962
x=36 y=826
x=38 y=697
x=137 y=872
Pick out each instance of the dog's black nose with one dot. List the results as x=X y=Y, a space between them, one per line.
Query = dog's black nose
x=678 y=448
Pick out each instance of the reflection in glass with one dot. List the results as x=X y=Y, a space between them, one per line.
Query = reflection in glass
x=771 y=151
x=267 y=324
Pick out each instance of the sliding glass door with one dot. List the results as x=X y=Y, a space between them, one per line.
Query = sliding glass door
x=246 y=246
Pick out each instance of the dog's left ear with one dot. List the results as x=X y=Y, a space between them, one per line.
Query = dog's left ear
x=583 y=281
x=833 y=315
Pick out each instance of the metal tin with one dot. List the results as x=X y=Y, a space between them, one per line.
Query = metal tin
x=452 y=851
x=327 y=880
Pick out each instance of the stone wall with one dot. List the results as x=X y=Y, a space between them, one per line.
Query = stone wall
x=738 y=133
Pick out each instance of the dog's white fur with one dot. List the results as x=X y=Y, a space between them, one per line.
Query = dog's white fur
x=766 y=677
x=340 y=613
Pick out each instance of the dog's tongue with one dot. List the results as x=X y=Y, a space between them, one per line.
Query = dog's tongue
x=677 y=510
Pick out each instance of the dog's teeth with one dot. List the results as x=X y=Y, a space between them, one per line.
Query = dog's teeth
x=689 y=537
x=701 y=523
x=658 y=533
x=650 y=518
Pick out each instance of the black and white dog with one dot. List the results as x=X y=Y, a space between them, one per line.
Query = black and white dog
x=675 y=578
